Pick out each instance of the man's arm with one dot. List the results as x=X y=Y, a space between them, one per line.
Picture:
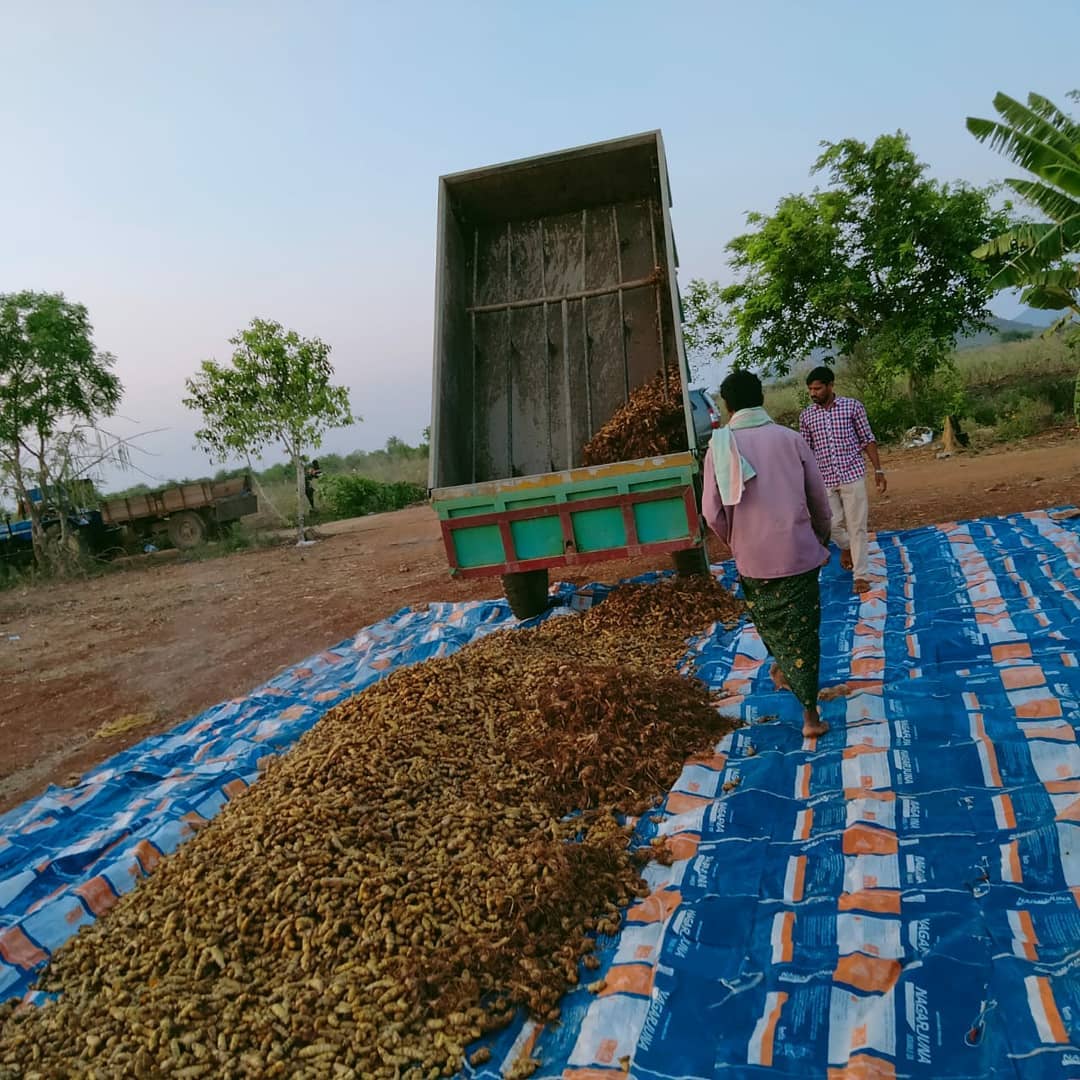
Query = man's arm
x=868 y=445
x=817 y=498
x=712 y=509
x=805 y=430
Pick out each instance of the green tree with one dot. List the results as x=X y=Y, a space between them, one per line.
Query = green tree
x=704 y=332
x=55 y=387
x=875 y=265
x=276 y=390
x=1041 y=257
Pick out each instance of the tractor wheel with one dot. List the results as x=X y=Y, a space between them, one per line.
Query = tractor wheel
x=526 y=592
x=186 y=530
x=691 y=562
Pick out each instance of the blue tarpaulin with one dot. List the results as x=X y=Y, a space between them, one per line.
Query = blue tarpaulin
x=899 y=897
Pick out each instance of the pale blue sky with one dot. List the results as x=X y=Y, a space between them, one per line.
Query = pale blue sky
x=181 y=168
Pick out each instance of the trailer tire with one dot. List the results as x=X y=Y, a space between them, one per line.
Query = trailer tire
x=186 y=530
x=691 y=562
x=526 y=592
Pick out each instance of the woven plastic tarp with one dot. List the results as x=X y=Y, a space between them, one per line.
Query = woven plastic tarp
x=897 y=898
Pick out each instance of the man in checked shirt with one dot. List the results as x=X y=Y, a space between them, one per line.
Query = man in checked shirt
x=838 y=432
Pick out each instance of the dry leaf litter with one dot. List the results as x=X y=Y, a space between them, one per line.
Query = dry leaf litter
x=401 y=882
x=652 y=422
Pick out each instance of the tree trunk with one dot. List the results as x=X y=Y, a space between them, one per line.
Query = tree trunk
x=37 y=532
x=301 y=495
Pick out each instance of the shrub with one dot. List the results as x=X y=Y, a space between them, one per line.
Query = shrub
x=355 y=496
x=1027 y=418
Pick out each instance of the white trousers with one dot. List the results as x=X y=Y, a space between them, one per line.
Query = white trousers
x=850 y=509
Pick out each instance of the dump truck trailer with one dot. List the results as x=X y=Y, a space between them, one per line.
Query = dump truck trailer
x=188 y=513
x=556 y=298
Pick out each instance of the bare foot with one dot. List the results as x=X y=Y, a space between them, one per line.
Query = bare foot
x=860 y=585
x=813 y=726
x=831 y=693
x=778 y=678
x=846 y=561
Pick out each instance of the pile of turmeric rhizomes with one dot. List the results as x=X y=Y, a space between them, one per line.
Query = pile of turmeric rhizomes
x=407 y=877
x=651 y=423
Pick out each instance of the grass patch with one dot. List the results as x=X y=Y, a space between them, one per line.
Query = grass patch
x=1013 y=389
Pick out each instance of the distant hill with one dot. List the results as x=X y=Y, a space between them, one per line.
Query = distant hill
x=1041 y=319
x=1000 y=327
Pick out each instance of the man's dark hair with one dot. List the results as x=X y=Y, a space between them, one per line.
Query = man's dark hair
x=742 y=390
x=822 y=375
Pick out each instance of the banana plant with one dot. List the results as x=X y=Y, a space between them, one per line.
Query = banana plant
x=1040 y=257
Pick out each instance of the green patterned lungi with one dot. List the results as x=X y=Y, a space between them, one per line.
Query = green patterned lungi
x=787 y=614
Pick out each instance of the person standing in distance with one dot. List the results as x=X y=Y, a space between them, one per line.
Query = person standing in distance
x=764 y=498
x=838 y=432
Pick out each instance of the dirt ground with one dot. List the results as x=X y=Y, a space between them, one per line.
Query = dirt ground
x=145 y=647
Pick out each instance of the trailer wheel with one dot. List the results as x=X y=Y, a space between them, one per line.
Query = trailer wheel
x=691 y=562
x=526 y=592
x=186 y=530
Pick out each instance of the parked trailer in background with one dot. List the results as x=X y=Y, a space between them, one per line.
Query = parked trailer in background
x=189 y=513
x=555 y=299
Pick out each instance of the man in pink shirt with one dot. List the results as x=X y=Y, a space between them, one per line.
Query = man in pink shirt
x=764 y=497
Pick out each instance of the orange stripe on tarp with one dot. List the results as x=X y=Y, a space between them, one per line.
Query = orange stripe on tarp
x=628 y=979
x=1020 y=677
x=866 y=840
x=863 y=1067
x=529 y=1043
x=17 y=949
x=1012 y=650
x=293 y=712
x=1057 y=733
x=1063 y=787
x=679 y=802
x=1027 y=925
x=683 y=845
x=1070 y=813
x=234 y=788
x=768 y=1037
x=879 y=901
x=860 y=749
x=869 y=793
x=870 y=974
x=98 y=894
x=716 y=762
x=1007 y=811
x=1042 y=709
x=799 y=884
x=803 y=790
x=787 y=937
x=1017 y=875
x=148 y=856
x=656 y=907
x=867 y=668
x=1053 y=1016
x=742 y=662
